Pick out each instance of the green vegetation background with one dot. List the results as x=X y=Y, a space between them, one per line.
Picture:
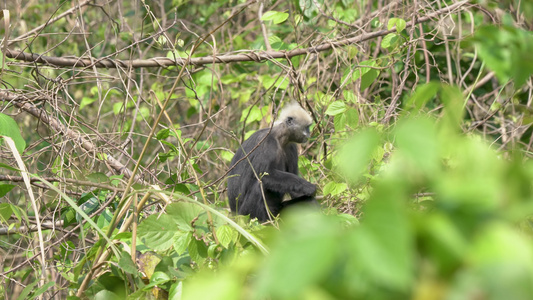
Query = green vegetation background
x=114 y=156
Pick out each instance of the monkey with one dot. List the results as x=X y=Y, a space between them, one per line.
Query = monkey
x=265 y=168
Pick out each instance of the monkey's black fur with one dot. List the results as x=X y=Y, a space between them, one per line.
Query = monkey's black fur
x=275 y=161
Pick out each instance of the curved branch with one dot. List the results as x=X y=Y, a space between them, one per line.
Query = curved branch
x=258 y=56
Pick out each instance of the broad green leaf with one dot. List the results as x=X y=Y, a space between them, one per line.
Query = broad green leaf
x=27 y=290
x=106 y=295
x=339 y=121
x=353 y=157
x=5 y=188
x=349 y=96
x=5 y=212
x=182 y=240
x=226 y=235
x=453 y=101
x=175 y=292
x=417 y=142
x=334 y=188
x=43 y=289
x=275 y=16
x=365 y=67
x=159 y=278
x=226 y=155
x=157 y=231
x=399 y=23
x=369 y=78
x=86 y=101
x=390 y=40
x=287 y=271
x=335 y=108
x=507 y=51
x=352 y=117
x=8 y=127
x=183 y=214
x=197 y=250
x=383 y=246
x=126 y=264
x=422 y=95
x=118 y=108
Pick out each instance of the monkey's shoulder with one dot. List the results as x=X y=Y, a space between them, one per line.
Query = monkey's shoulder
x=263 y=137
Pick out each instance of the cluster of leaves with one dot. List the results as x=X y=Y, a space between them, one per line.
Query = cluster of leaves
x=460 y=240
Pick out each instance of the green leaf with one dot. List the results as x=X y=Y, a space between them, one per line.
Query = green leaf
x=8 y=127
x=43 y=289
x=5 y=188
x=369 y=78
x=226 y=155
x=5 y=212
x=157 y=231
x=352 y=117
x=339 y=121
x=334 y=188
x=349 y=96
x=159 y=278
x=383 y=245
x=162 y=134
x=106 y=295
x=365 y=68
x=353 y=157
x=302 y=258
x=86 y=101
x=182 y=240
x=275 y=16
x=507 y=51
x=335 y=108
x=7 y=167
x=226 y=234
x=27 y=290
x=399 y=23
x=176 y=290
x=390 y=40
x=453 y=101
x=126 y=264
x=422 y=95
x=183 y=213
x=118 y=108
x=416 y=140
x=197 y=250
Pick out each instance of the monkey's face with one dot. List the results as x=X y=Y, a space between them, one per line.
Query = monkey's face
x=298 y=130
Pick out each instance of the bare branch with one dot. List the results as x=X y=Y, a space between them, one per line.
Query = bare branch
x=257 y=56
x=24 y=103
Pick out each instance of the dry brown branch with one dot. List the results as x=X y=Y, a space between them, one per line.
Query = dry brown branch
x=23 y=102
x=31 y=228
x=257 y=56
x=37 y=29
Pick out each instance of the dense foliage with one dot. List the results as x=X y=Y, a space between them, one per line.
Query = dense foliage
x=118 y=120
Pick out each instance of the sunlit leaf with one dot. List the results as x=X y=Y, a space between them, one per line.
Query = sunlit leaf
x=8 y=127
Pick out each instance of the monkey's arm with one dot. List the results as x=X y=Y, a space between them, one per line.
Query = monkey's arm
x=284 y=182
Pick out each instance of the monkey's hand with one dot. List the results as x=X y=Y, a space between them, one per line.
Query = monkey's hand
x=307 y=189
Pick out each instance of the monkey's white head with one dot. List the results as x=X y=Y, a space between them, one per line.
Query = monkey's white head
x=296 y=121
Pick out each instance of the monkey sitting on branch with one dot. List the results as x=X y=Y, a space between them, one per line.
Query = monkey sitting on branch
x=265 y=168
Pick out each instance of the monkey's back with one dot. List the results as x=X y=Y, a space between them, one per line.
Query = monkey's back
x=244 y=190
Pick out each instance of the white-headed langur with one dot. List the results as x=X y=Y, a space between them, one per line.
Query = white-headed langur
x=270 y=158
